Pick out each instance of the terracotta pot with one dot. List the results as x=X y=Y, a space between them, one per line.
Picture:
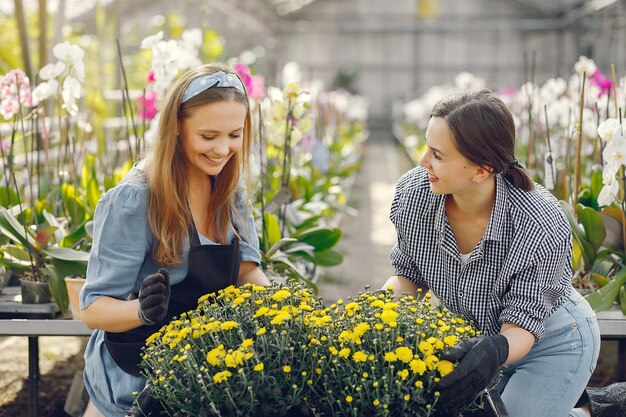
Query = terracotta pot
x=35 y=292
x=74 y=285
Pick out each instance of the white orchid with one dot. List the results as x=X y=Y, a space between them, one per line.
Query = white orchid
x=152 y=41
x=172 y=56
x=70 y=92
x=71 y=55
x=50 y=71
x=609 y=129
x=44 y=90
x=615 y=152
x=609 y=192
x=614 y=155
x=585 y=65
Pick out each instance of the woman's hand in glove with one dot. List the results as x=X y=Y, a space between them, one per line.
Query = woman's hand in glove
x=154 y=296
x=478 y=360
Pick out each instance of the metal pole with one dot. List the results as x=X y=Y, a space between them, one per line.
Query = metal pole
x=33 y=374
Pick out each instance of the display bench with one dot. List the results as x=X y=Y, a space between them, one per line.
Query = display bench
x=612 y=327
x=33 y=321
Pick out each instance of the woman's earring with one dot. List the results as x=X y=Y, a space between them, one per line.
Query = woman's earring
x=475 y=182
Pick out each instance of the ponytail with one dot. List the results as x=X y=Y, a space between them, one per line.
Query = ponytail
x=518 y=176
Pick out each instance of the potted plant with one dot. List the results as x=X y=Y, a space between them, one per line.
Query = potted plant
x=36 y=253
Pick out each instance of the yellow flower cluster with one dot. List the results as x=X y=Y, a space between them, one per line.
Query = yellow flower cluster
x=382 y=352
x=278 y=347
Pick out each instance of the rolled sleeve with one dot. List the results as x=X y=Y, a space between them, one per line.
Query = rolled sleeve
x=121 y=242
x=405 y=266
x=537 y=290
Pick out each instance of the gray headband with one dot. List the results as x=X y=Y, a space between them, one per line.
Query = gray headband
x=217 y=79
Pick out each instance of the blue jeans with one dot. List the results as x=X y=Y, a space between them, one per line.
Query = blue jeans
x=548 y=381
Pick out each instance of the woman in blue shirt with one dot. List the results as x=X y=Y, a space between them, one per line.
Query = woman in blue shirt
x=177 y=227
x=495 y=248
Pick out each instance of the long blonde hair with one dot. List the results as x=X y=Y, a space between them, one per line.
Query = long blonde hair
x=169 y=215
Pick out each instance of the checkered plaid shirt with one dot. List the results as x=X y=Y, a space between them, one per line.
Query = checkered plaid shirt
x=519 y=272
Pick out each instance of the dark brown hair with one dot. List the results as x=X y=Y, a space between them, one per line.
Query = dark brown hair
x=484 y=133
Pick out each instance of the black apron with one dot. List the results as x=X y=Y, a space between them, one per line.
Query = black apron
x=211 y=268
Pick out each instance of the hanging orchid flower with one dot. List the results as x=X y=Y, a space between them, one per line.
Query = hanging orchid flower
x=585 y=65
x=147 y=105
x=601 y=81
x=68 y=73
x=172 y=56
x=614 y=155
x=14 y=90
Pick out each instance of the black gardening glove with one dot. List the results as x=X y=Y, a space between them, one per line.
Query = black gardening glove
x=154 y=296
x=479 y=360
x=145 y=405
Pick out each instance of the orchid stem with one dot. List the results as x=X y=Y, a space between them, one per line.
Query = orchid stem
x=579 y=140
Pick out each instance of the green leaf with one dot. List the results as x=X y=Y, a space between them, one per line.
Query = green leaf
x=593 y=225
x=622 y=298
x=66 y=268
x=329 y=257
x=605 y=297
x=74 y=203
x=321 y=238
x=273 y=229
x=16 y=252
x=276 y=246
x=601 y=280
x=596 y=183
x=8 y=197
x=93 y=192
x=58 y=288
x=14 y=230
x=70 y=239
x=588 y=252
x=67 y=254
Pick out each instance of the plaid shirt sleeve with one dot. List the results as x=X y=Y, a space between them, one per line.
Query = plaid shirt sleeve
x=538 y=289
x=403 y=264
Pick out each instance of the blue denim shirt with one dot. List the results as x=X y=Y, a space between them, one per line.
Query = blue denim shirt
x=120 y=258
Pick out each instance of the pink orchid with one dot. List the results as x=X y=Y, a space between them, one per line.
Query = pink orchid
x=255 y=84
x=149 y=109
x=150 y=77
x=9 y=84
x=257 y=87
x=598 y=79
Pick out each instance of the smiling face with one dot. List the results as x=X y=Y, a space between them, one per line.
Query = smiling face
x=211 y=135
x=449 y=172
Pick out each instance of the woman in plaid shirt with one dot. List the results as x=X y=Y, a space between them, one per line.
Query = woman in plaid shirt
x=495 y=248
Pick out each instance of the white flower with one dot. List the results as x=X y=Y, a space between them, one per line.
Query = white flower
x=291 y=73
x=585 y=65
x=467 y=81
x=44 y=90
x=274 y=94
x=298 y=110
x=51 y=71
x=609 y=129
x=67 y=52
x=609 y=192
x=70 y=92
x=192 y=37
x=151 y=41
x=615 y=152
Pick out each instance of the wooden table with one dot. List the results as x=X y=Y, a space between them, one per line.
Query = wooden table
x=33 y=328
